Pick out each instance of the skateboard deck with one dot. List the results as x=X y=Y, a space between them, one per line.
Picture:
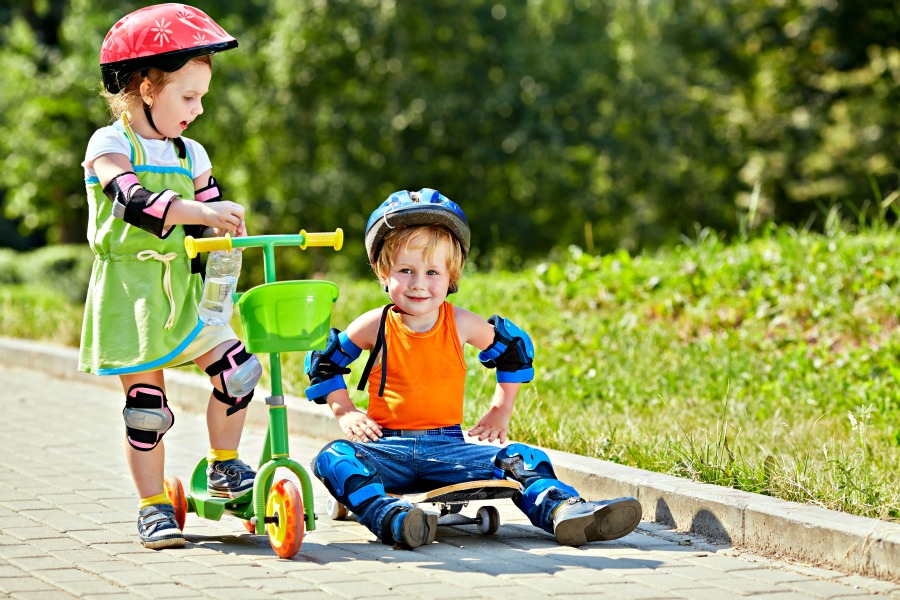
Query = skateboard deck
x=463 y=493
x=451 y=499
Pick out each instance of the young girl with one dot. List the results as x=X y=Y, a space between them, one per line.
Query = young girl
x=410 y=438
x=146 y=186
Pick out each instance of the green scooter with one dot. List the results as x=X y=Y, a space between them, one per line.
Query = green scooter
x=277 y=316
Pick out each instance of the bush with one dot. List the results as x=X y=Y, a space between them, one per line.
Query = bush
x=10 y=269
x=66 y=268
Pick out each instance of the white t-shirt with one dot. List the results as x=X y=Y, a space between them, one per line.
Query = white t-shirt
x=160 y=153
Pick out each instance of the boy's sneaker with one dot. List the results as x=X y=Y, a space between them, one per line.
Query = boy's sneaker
x=577 y=522
x=229 y=478
x=157 y=527
x=413 y=528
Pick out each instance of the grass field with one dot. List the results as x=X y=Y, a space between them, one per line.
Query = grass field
x=768 y=365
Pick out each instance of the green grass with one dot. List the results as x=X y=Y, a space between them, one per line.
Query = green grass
x=768 y=365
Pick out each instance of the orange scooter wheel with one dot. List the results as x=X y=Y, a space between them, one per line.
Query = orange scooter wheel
x=175 y=492
x=284 y=518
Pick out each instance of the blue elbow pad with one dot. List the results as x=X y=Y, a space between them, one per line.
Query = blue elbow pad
x=511 y=353
x=326 y=368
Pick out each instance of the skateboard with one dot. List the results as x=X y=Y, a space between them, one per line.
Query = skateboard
x=451 y=499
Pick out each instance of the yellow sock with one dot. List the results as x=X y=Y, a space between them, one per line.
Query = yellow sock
x=157 y=499
x=220 y=455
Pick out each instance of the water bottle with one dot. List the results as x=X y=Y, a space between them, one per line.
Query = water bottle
x=222 y=271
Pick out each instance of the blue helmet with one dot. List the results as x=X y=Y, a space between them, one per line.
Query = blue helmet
x=425 y=207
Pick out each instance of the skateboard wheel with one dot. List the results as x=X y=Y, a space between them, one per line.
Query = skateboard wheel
x=336 y=510
x=175 y=492
x=488 y=519
x=284 y=518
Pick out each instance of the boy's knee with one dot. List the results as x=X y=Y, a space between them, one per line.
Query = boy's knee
x=346 y=476
x=523 y=464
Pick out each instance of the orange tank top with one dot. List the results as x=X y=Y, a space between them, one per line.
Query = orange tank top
x=426 y=375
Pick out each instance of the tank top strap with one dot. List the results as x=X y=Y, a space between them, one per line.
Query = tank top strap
x=138 y=154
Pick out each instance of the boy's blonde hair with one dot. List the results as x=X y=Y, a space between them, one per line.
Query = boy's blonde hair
x=421 y=237
x=130 y=96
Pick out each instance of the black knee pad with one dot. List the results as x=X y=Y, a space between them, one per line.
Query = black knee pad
x=236 y=369
x=147 y=416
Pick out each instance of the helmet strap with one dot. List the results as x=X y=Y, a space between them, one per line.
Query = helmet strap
x=147 y=114
x=180 y=147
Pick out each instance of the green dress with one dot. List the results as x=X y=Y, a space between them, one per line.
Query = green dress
x=132 y=323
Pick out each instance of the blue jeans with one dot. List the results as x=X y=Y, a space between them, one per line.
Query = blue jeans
x=420 y=463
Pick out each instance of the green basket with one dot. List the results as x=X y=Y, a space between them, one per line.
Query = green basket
x=287 y=316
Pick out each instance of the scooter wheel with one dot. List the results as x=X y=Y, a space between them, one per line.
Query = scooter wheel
x=488 y=518
x=284 y=518
x=336 y=510
x=175 y=492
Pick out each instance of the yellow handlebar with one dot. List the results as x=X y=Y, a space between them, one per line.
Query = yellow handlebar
x=331 y=238
x=194 y=246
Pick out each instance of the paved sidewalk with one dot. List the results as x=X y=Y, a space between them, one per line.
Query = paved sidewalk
x=67 y=529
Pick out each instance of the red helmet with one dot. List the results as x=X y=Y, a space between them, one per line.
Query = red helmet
x=163 y=37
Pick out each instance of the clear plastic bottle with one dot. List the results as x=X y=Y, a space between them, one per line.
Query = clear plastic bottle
x=222 y=271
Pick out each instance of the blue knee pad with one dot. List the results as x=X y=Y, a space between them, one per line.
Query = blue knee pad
x=522 y=463
x=348 y=479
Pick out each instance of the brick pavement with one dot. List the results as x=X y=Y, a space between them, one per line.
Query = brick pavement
x=67 y=529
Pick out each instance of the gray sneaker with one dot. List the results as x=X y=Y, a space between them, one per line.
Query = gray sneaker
x=577 y=522
x=157 y=527
x=229 y=478
x=413 y=528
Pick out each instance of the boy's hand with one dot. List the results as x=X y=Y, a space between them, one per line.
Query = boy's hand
x=492 y=427
x=358 y=427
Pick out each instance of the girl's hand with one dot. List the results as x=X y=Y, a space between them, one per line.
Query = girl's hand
x=225 y=216
x=358 y=427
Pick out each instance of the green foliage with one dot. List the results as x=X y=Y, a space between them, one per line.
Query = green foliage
x=10 y=269
x=600 y=124
x=64 y=268
x=39 y=313
x=767 y=365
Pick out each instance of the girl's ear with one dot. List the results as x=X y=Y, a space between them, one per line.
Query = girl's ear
x=146 y=91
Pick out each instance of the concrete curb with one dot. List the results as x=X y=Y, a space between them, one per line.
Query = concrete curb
x=758 y=523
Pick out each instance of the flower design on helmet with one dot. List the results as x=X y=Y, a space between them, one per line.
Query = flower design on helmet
x=162 y=32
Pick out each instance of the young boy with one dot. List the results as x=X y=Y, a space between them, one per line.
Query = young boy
x=410 y=439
